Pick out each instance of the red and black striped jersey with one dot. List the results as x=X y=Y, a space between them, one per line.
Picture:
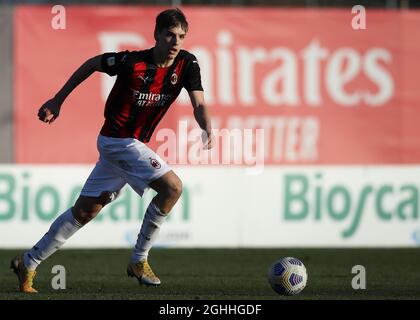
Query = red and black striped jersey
x=143 y=92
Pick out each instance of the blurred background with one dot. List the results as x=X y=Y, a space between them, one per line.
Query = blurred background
x=334 y=88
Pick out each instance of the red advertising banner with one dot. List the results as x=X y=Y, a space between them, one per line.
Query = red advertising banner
x=323 y=92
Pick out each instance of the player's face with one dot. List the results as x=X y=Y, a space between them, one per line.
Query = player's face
x=170 y=41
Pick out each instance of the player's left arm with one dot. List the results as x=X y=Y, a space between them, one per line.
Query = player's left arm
x=202 y=116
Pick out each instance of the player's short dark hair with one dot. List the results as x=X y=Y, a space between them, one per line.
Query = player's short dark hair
x=171 y=18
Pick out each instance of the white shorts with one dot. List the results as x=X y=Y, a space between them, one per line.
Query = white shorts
x=121 y=161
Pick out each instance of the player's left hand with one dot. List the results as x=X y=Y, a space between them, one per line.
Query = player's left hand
x=208 y=140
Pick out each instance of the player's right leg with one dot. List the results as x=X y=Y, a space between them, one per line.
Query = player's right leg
x=67 y=224
x=24 y=265
x=92 y=199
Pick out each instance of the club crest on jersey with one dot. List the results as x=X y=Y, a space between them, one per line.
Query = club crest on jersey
x=155 y=164
x=174 y=78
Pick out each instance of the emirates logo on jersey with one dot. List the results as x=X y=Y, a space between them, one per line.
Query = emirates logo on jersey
x=174 y=78
x=155 y=164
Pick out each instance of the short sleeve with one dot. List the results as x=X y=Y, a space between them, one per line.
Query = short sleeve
x=113 y=62
x=192 y=80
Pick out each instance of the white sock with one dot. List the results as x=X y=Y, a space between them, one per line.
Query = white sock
x=149 y=231
x=61 y=229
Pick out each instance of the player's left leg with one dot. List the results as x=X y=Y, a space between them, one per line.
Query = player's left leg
x=169 y=189
x=142 y=168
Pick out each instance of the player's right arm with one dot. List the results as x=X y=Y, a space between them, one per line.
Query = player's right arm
x=50 y=110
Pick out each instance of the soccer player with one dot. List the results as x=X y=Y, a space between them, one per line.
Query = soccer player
x=147 y=83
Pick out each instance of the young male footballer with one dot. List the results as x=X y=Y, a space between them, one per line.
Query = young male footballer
x=148 y=82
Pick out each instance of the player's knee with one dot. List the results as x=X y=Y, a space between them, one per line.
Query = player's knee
x=174 y=188
x=82 y=215
x=107 y=197
x=84 y=211
x=85 y=214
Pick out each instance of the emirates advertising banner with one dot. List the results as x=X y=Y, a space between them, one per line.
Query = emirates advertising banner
x=320 y=91
x=316 y=127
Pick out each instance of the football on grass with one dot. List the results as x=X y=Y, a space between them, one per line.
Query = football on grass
x=287 y=276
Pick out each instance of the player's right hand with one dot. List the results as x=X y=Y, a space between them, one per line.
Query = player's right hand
x=49 y=111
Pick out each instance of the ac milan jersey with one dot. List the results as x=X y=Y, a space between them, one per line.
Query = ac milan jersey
x=143 y=92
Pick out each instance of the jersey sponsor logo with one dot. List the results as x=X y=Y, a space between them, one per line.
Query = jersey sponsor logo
x=150 y=99
x=155 y=164
x=174 y=78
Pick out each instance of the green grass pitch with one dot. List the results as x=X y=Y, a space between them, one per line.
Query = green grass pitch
x=221 y=274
